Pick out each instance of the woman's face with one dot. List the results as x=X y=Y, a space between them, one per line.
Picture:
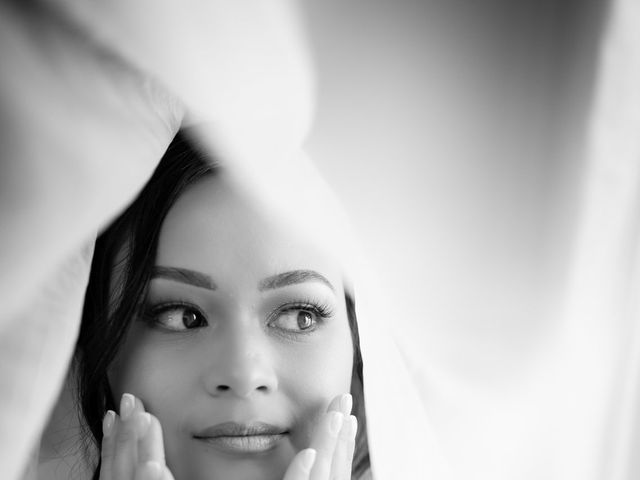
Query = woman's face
x=245 y=332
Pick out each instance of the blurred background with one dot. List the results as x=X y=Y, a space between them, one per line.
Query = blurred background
x=443 y=126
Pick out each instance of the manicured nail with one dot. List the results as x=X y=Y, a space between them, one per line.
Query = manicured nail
x=143 y=420
x=308 y=459
x=152 y=470
x=126 y=405
x=107 y=422
x=346 y=403
x=335 y=422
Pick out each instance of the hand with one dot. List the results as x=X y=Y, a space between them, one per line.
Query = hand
x=332 y=446
x=132 y=445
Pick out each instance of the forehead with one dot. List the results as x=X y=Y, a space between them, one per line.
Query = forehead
x=217 y=228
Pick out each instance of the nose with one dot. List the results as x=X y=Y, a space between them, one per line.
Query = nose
x=241 y=364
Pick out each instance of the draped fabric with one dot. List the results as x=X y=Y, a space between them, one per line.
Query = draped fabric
x=91 y=93
x=81 y=131
x=599 y=334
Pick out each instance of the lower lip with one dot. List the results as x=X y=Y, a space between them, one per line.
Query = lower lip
x=244 y=444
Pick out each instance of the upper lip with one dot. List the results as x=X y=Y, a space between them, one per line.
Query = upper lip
x=236 y=429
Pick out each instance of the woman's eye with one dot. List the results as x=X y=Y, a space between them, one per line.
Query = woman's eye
x=296 y=320
x=179 y=318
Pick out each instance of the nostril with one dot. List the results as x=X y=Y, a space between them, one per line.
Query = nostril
x=227 y=388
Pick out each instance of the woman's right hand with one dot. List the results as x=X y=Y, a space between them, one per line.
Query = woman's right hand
x=132 y=445
x=332 y=446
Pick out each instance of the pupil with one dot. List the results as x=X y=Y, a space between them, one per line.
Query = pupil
x=189 y=319
x=304 y=320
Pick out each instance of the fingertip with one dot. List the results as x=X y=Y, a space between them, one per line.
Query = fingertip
x=107 y=448
x=307 y=459
x=300 y=467
x=353 y=424
x=127 y=405
x=108 y=422
x=346 y=403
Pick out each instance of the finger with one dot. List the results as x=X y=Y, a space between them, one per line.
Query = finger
x=324 y=442
x=150 y=445
x=343 y=455
x=133 y=425
x=341 y=403
x=339 y=460
x=301 y=465
x=107 y=451
x=346 y=404
x=351 y=448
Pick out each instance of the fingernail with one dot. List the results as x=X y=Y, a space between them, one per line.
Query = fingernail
x=308 y=459
x=126 y=406
x=335 y=423
x=143 y=420
x=346 y=403
x=152 y=470
x=107 y=422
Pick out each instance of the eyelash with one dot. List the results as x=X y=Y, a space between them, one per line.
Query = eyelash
x=322 y=310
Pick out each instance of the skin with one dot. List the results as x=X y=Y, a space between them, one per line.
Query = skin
x=261 y=350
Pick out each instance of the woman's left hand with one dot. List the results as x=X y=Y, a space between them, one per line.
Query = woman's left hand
x=332 y=446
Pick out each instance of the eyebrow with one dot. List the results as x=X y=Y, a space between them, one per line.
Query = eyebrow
x=184 y=275
x=291 y=278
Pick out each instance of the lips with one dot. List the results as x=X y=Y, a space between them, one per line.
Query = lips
x=242 y=438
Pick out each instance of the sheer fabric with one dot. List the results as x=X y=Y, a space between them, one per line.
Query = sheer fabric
x=91 y=95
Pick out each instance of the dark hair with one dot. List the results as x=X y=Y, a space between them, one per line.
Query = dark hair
x=107 y=311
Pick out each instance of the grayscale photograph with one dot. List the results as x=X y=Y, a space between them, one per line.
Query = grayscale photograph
x=320 y=240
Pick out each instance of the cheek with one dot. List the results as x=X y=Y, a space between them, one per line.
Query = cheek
x=320 y=369
x=154 y=374
x=313 y=376
x=160 y=378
